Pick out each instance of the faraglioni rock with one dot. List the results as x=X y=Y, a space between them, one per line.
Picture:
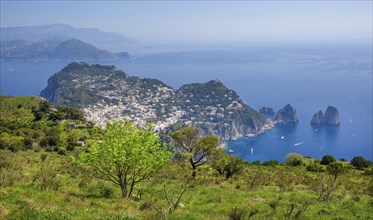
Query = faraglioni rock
x=331 y=117
x=318 y=118
x=267 y=110
x=287 y=115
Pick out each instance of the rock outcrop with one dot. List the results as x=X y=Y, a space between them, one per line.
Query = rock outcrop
x=318 y=118
x=331 y=117
x=267 y=110
x=287 y=115
x=106 y=93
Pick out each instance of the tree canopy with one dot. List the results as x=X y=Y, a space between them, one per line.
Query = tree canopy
x=126 y=155
x=195 y=149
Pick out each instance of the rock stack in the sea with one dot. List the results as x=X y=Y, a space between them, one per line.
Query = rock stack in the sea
x=331 y=117
x=267 y=110
x=318 y=118
x=287 y=115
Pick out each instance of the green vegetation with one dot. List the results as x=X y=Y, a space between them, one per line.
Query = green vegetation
x=47 y=181
x=126 y=156
x=327 y=159
x=30 y=123
x=196 y=151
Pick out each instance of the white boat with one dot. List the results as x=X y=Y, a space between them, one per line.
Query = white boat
x=297 y=144
x=230 y=151
x=252 y=151
x=282 y=137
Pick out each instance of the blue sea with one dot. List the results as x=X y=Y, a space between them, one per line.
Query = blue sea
x=309 y=79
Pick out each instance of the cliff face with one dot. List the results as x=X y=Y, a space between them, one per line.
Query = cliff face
x=287 y=115
x=331 y=117
x=104 y=92
x=318 y=118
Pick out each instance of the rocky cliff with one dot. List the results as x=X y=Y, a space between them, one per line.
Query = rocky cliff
x=287 y=115
x=331 y=117
x=318 y=118
x=104 y=92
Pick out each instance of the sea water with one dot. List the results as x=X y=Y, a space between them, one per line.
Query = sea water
x=308 y=79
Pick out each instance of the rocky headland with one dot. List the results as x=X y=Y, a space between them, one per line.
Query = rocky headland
x=107 y=93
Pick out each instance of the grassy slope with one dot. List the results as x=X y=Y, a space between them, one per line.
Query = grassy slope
x=72 y=194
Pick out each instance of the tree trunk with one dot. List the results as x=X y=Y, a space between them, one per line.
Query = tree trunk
x=123 y=188
x=131 y=188
x=193 y=167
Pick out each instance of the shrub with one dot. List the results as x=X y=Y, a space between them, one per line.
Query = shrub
x=257 y=163
x=294 y=159
x=226 y=165
x=315 y=167
x=327 y=159
x=359 y=162
x=271 y=163
x=237 y=213
x=106 y=192
x=335 y=169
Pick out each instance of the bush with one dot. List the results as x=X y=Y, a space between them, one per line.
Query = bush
x=294 y=159
x=327 y=159
x=315 y=167
x=257 y=163
x=335 y=169
x=359 y=162
x=237 y=214
x=106 y=192
x=226 y=165
x=271 y=163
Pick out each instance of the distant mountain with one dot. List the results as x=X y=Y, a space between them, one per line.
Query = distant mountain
x=104 y=92
x=62 y=32
x=70 y=50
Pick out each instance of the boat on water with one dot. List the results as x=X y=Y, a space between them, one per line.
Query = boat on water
x=252 y=151
x=230 y=151
x=282 y=137
x=297 y=144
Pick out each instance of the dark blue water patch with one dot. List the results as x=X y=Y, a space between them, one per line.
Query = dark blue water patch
x=26 y=78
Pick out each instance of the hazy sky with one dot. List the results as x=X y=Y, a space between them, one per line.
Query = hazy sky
x=209 y=21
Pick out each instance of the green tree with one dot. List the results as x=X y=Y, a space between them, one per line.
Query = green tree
x=359 y=162
x=71 y=113
x=226 y=165
x=335 y=169
x=126 y=155
x=194 y=149
x=294 y=159
x=327 y=159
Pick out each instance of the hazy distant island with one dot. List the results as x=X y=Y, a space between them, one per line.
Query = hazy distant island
x=105 y=92
x=62 y=32
x=52 y=50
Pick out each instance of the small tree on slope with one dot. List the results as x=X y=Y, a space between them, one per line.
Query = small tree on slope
x=126 y=155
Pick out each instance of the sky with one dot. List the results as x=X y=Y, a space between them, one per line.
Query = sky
x=204 y=21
